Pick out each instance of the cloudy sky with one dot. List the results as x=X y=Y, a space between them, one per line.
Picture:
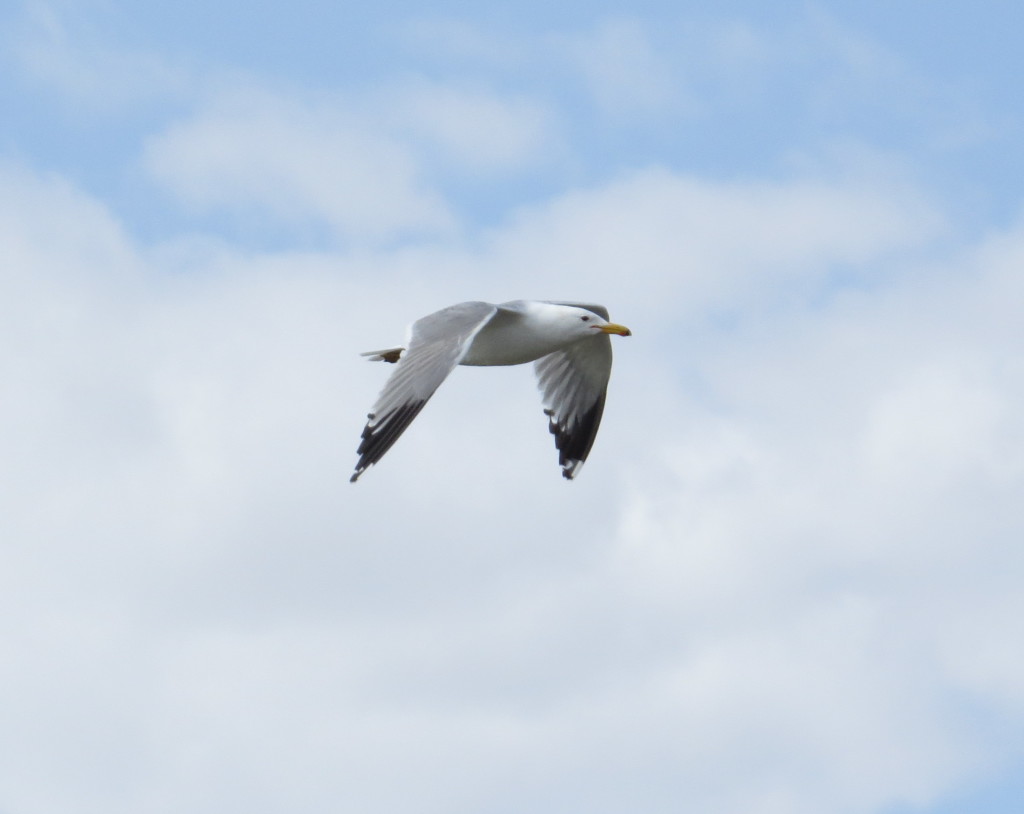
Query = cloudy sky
x=788 y=581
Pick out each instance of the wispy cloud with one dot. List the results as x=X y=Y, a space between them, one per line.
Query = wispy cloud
x=700 y=245
x=86 y=72
x=474 y=129
x=624 y=70
x=257 y=155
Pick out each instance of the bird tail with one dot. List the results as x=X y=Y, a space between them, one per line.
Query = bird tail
x=391 y=355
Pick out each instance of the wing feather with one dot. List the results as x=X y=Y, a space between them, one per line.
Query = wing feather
x=436 y=345
x=574 y=382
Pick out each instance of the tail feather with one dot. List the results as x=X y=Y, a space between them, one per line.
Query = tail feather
x=391 y=355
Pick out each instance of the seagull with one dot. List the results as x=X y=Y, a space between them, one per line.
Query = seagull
x=568 y=341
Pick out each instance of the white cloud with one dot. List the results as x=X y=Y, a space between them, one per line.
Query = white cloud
x=788 y=580
x=936 y=421
x=250 y=152
x=657 y=242
x=361 y=165
x=818 y=600
x=475 y=129
x=751 y=600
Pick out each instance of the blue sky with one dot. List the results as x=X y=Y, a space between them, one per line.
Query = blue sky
x=736 y=92
x=787 y=579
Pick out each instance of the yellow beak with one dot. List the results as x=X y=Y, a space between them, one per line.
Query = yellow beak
x=612 y=328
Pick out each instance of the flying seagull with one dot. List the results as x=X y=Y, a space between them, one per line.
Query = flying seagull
x=568 y=341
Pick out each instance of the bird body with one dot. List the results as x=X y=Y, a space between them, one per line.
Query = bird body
x=568 y=341
x=522 y=331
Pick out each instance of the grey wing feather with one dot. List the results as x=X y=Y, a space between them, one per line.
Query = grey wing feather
x=574 y=382
x=436 y=345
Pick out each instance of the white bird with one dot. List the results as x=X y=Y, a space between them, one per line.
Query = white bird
x=568 y=341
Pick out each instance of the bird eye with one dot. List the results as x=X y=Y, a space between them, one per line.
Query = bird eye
x=585 y=319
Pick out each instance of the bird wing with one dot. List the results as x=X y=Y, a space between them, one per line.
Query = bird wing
x=437 y=343
x=573 y=382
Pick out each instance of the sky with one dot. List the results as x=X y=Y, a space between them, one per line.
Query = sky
x=787 y=581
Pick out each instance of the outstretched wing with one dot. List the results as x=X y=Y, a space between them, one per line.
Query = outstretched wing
x=436 y=345
x=574 y=382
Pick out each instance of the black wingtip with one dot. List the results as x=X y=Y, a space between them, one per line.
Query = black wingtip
x=574 y=441
x=378 y=437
